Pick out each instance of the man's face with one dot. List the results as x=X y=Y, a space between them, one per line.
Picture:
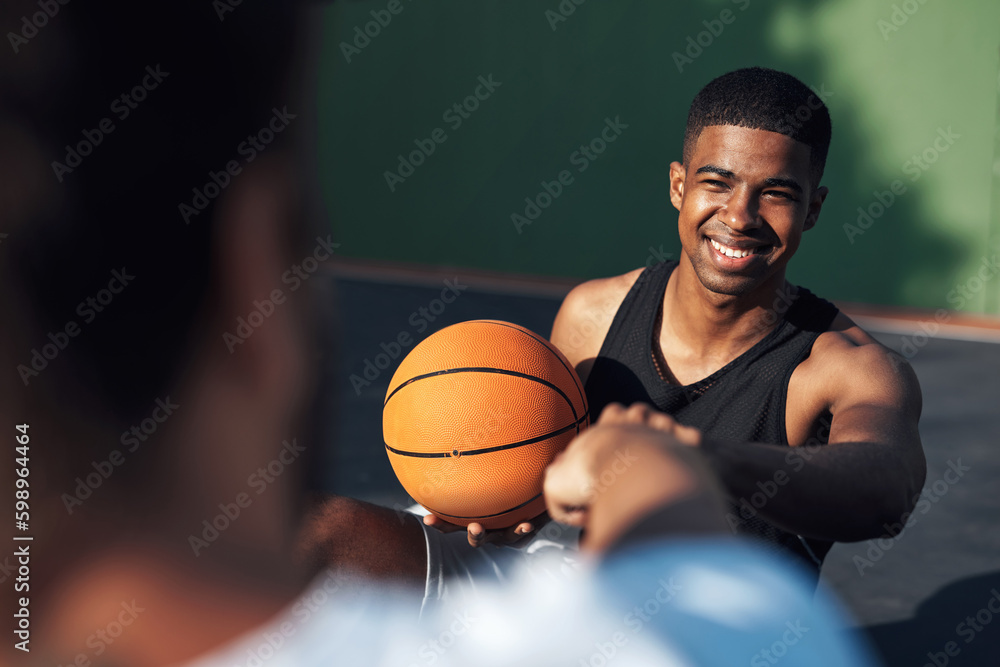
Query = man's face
x=744 y=198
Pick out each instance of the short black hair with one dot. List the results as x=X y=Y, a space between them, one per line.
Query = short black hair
x=763 y=99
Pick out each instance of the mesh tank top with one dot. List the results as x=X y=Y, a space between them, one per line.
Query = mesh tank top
x=743 y=401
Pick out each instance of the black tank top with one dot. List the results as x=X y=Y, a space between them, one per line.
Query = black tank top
x=743 y=401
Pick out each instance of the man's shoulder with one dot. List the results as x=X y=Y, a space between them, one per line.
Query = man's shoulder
x=848 y=356
x=598 y=292
x=587 y=312
x=845 y=339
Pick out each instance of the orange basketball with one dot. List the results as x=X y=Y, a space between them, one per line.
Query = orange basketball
x=473 y=416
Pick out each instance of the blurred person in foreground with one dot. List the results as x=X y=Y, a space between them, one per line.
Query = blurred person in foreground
x=151 y=196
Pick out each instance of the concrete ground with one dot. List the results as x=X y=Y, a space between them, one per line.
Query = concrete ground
x=918 y=597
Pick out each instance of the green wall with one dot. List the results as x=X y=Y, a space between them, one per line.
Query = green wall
x=894 y=88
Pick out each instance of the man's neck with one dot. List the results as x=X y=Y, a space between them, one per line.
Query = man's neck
x=713 y=326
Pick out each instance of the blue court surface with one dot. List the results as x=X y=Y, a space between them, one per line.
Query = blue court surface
x=930 y=596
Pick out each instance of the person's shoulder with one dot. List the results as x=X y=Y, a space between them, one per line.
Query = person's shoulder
x=586 y=314
x=852 y=359
x=599 y=292
x=846 y=342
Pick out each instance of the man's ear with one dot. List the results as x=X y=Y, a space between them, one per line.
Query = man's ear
x=815 y=205
x=261 y=340
x=678 y=173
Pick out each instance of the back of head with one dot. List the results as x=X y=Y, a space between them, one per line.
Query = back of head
x=763 y=99
x=118 y=121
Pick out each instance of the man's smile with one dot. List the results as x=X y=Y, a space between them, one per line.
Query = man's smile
x=736 y=255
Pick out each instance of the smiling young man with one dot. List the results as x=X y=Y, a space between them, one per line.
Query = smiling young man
x=721 y=342
x=809 y=424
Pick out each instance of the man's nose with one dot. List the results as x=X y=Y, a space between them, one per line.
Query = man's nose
x=741 y=211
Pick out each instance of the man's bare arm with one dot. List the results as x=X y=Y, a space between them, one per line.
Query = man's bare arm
x=863 y=481
x=633 y=477
x=585 y=317
x=373 y=541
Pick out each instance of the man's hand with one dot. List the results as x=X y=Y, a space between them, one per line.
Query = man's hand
x=639 y=414
x=514 y=536
x=632 y=463
x=646 y=415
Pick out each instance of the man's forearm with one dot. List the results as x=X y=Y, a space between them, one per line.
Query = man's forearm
x=352 y=535
x=843 y=492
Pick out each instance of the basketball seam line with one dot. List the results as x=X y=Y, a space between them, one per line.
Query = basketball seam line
x=484 y=369
x=487 y=450
x=529 y=333
x=487 y=516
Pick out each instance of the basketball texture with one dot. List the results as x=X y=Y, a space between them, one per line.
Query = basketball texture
x=472 y=417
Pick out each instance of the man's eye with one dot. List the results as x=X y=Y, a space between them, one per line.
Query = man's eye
x=781 y=195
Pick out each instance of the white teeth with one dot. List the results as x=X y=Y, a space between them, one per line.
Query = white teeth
x=730 y=252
